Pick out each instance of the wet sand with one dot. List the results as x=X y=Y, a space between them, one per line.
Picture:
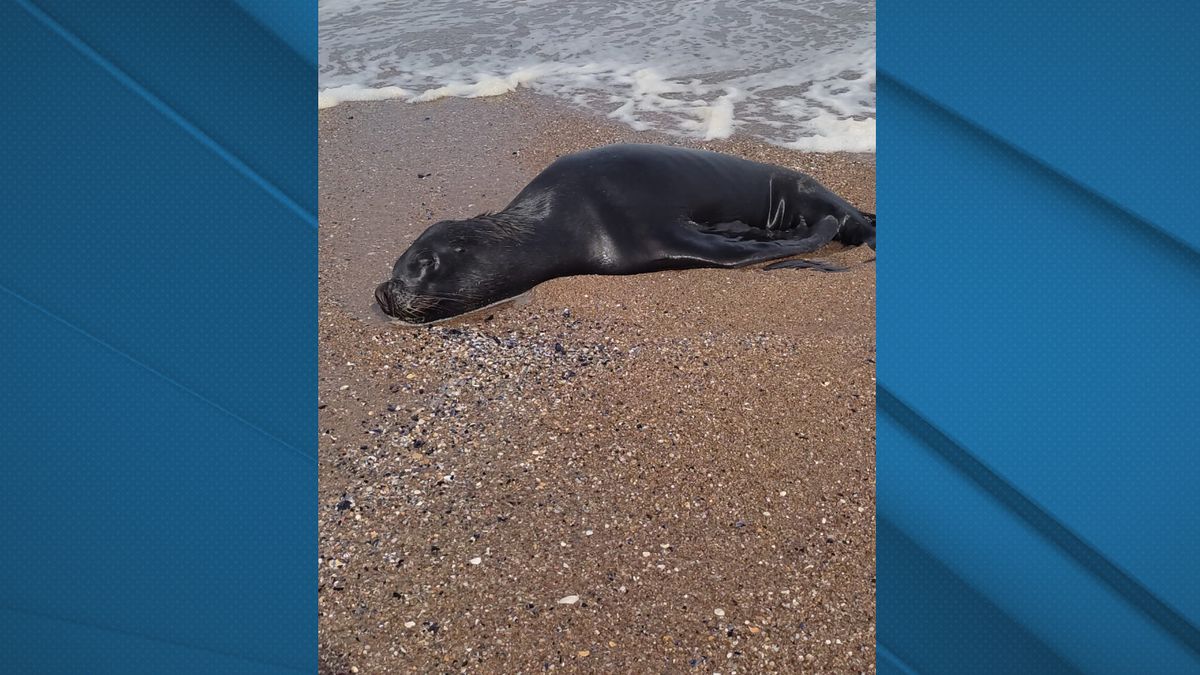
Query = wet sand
x=671 y=472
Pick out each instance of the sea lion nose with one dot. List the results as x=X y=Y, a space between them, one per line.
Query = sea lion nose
x=383 y=297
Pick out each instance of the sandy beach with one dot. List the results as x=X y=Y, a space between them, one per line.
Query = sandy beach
x=670 y=472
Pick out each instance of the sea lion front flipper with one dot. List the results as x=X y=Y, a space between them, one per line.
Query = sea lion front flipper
x=805 y=264
x=821 y=234
x=701 y=248
x=734 y=230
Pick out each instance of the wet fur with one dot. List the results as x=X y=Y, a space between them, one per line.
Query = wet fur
x=625 y=209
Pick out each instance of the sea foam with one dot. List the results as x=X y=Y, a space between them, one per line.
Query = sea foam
x=327 y=98
x=800 y=75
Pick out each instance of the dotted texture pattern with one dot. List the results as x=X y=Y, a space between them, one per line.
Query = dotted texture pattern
x=158 y=295
x=1037 y=307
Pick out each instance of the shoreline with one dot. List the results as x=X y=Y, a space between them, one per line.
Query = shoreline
x=659 y=446
x=331 y=97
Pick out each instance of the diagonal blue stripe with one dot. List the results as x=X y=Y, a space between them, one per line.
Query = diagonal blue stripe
x=158 y=104
x=295 y=29
x=1037 y=518
x=1164 y=235
x=924 y=606
x=182 y=387
x=893 y=660
x=150 y=638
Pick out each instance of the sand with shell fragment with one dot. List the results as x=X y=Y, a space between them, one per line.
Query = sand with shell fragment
x=669 y=472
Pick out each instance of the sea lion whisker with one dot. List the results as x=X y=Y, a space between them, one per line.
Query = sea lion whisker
x=424 y=302
x=450 y=297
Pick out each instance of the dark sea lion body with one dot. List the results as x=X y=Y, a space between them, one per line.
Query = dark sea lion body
x=621 y=209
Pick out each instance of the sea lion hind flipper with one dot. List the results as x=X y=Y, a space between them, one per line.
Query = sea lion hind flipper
x=821 y=234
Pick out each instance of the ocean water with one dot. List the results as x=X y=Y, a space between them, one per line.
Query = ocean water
x=799 y=74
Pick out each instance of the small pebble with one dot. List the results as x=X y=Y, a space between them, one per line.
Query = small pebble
x=569 y=600
x=719 y=612
x=410 y=624
x=583 y=653
x=476 y=561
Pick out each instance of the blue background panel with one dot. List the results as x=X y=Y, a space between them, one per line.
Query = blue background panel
x=1037 y=304
x=1101 y=91
x=158 y=289
x=1038 y=301
x=235 y=80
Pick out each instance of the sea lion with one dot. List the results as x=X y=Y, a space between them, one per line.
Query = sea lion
x=621 y=209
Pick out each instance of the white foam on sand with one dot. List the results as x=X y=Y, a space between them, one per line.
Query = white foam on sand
x=327 y=98
x=715 y=120
x=831 y=134
x=484 y=85
x=795 y=75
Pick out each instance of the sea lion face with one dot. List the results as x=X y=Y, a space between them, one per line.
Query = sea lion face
x=443 y=274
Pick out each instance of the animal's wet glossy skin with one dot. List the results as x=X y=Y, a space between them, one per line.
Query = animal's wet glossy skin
x=621 y=209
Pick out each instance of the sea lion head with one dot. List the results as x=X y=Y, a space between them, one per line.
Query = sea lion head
x=454 y=267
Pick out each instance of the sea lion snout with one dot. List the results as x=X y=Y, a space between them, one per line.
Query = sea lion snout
x=396 y=299
x=383 y=296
